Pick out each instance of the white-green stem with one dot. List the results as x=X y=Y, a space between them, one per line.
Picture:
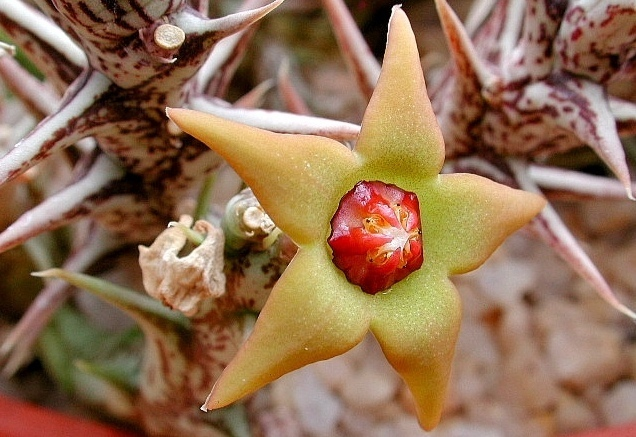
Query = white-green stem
x=125 y=298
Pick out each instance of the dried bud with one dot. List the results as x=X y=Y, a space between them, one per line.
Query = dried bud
x=246 y=222
x=183 y=282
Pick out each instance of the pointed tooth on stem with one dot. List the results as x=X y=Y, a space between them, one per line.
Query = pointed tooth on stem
x=463 y=51
x=279 y=121
x=63 y=207
x=59 y=130
x=549 y=226
x=44 y=38
x=360 y=59
x=222 y=26
x=581 y=107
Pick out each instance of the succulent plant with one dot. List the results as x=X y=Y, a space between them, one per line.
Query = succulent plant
x=410 y=305
x=118 y=67
x=535 y=87
x=183 y=356
x=527 y=81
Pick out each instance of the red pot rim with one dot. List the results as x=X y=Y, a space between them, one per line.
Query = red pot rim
x=21 y=419
x=615 y=431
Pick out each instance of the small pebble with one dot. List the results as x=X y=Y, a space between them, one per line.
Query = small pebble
x=369 y=388
x=525 y=380
x=317 y=408
x=619 y=405
x=582 y=354
x=334 y=372
x=465 y=428
x=506 y=282
x=573 y=414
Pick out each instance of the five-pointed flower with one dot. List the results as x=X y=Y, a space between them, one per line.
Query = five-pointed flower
x=318 y=310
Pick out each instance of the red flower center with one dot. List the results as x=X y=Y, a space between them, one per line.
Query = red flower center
x=376 y=235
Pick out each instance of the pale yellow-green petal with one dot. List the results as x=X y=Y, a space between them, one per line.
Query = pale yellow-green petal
x=417 y=327
x=312 y=314
x=399 y=130
x=466 y=217
x=298 y=179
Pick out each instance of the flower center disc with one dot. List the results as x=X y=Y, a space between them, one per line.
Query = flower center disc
x=376 y=235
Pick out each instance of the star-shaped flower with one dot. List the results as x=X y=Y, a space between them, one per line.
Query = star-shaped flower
x=359 y=216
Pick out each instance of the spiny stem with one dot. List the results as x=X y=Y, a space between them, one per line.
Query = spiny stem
x=203 y=200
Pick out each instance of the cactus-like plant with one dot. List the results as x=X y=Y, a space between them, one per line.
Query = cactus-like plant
x=118 y=66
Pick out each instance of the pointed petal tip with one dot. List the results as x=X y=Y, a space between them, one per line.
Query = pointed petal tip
x=212 y=403
x=224 y=394
x=537 y=203
x=398 y=18
x=429 y=411
x=527 y=206
x=178 y=113
x=191 y=117
x=209 y=403
x=189 y=121
x=397 y=10
x=399 y=128
x=170 y=112
x=428 y=422
x=204 y=407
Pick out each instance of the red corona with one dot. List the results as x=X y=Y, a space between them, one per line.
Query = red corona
x=376 y=235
